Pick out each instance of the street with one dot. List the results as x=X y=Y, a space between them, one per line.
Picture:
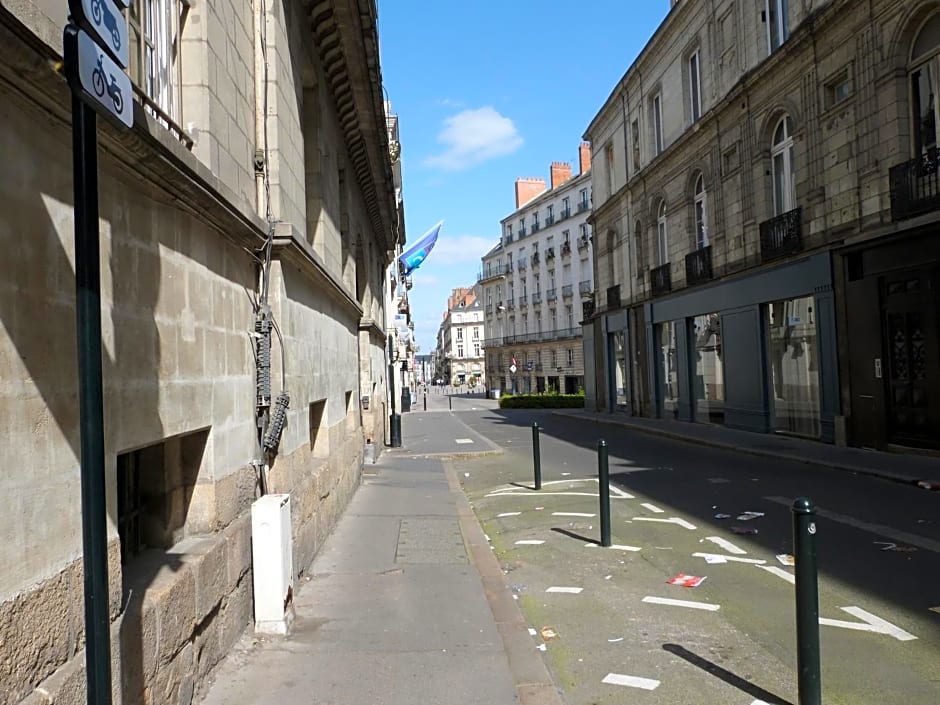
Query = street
x=615 y=625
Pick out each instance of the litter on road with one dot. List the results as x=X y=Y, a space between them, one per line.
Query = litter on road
x=716 y=559
x=786 y=559
x=548 y=633
x=722 y=516
x=744 y=530
x=690 y=581
x=747 y=516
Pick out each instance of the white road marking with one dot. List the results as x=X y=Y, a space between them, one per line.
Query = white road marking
x=572 y=590
x=727 y=545
x=532 y=632
x=652 y=507
x=572 y=514
x=530 y=542
x=630 y=681
x=513 y=491
x=869 y=623
x=674 y=520
x=736 y=559
x=508 y=514
x=780 y=573
x=681 y=603
x=463 y=440
x=879 y=529
x=617 y=546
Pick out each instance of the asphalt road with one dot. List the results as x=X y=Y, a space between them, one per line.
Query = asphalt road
x=878 y=545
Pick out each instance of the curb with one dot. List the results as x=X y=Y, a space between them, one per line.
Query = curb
x=533 y=682
x=725 y=445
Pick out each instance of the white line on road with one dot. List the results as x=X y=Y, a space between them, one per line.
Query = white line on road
x=727 y=545
x=616 y=546
x=681 y=603
x=530 y=542
x=879 y=529
x=869 y=623
x=652 y=507
x=736 y=559
x=572 y=514
x=508 y=514
x=463 y=440
x=674 y=520
x=572 y=590
x=512 y=490
x=631 y=681
x=779 y=572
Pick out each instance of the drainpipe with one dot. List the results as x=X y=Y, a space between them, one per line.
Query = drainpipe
x=260 y=74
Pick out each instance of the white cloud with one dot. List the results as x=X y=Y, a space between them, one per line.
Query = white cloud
x=460 y=249
x=425 y=279
x=472 y=137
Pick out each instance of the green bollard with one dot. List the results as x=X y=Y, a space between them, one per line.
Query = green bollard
x=807 y=602
x=603 y=479
x=536 y=455
x=450 y=403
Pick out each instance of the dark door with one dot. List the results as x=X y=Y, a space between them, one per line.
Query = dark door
x=912 y=364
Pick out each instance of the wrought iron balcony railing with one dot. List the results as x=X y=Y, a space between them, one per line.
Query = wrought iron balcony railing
x=584 y=288
x=567 y=291
x=613 y=296
x=661 y=279
x=915 y=186
x=551 y=294
x=698 y=266
x=781 y=236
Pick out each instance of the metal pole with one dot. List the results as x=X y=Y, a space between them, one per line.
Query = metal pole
x=807 y=602
x=91 y=407
x=394 y=420
x=425 y=401
x=603 y=480
x=536 y=455
x=450 y=402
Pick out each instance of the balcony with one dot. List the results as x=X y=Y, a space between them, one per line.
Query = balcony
x=661 y=279
x=566 y=249
x=781 y=236
x=549 y=219
x=520 y=265
x=915 y=187
x=494 y=271
x=535 y=259
x=587 y=308
x=564 y=213
x=584 y=288
x=550 y=254
x=535 y=228
x=523 y=300
x=536 y=298
x=613 y=296
x=698 y=266
x=567 y=291
x=583 y=206
x=510 y=303
x=551 y=294
x=489 y=309
x=582 y=243
x=521 y=233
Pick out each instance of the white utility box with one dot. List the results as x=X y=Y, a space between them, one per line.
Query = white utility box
x=272 y=553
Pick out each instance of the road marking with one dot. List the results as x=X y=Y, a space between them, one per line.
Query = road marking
x=736 y=559
x=617 y=546
x=652 y=507
x=674 y=520
x=463 y=440
x=572 y=514
x=681 y=603
x=532 y=632
x=572 y=590
x=879 y=529
x=630 y=681
x=780 y=573
x=727 y=545
x=530 y=542
x=513 y=491
x=508 y=514
x=869 y=623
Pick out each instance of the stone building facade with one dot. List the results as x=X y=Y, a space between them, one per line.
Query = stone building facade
x=460 y=338
x=225 y=163
x=765 y=216
x=537 y=283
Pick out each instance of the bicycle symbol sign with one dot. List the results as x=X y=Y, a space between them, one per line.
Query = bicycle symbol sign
x=103 y=20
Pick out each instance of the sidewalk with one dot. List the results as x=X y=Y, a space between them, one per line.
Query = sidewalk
x=404 y=604
x=908 y=469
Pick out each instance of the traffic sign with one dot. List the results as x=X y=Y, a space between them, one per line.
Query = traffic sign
x=103 y=20
x=512 y=368
x=528 y=366
x=100 y=81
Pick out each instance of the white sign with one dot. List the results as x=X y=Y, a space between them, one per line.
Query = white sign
x=102 y=80
x=512 y=369
x=104 y=21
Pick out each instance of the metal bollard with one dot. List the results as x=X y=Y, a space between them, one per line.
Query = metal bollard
x=807 y=602
x=450 y=403
x=536 y=455
x=425 y=401
x=603 y=479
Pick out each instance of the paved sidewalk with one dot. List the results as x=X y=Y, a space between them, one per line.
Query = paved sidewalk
x=404 y=604
x=908 y=469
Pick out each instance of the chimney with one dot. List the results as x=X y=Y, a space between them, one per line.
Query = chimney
x=561 y=172
x=584 y=157
x=527 y=189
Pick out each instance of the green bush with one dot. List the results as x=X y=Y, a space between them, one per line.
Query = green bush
x=541 y=401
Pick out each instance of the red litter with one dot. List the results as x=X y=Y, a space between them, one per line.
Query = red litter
x=684 y=580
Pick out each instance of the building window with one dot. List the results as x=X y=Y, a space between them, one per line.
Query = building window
x=476 y=350
x=775 y=17
x=569 y=311
x=565 y=207
x=535 y=221
x=460 y=351
x=609 y=154
x=570 y=357
x=155 y=28
x=701 y=224
x=476 y=332
x=662 y=236
x=638 y=239
x=550 y=214
x=695 y=94
x=925 y=88
x=460 y=334
x=784 y=178
x=583 y=201
x=657 y=123
x=509 y=232
x=636 y=145
x=838 y=89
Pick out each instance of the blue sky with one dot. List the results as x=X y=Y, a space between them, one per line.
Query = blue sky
x=487 y=92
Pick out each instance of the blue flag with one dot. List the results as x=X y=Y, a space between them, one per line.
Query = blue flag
x=412 y=258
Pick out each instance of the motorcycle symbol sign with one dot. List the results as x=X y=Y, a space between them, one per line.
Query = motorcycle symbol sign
x=104 y=21
x=102 y=82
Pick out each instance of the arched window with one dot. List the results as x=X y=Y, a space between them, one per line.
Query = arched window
x=638 y=254
x=662 y=237
x=781 y=154
x=701 y=222
x=925 y=82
